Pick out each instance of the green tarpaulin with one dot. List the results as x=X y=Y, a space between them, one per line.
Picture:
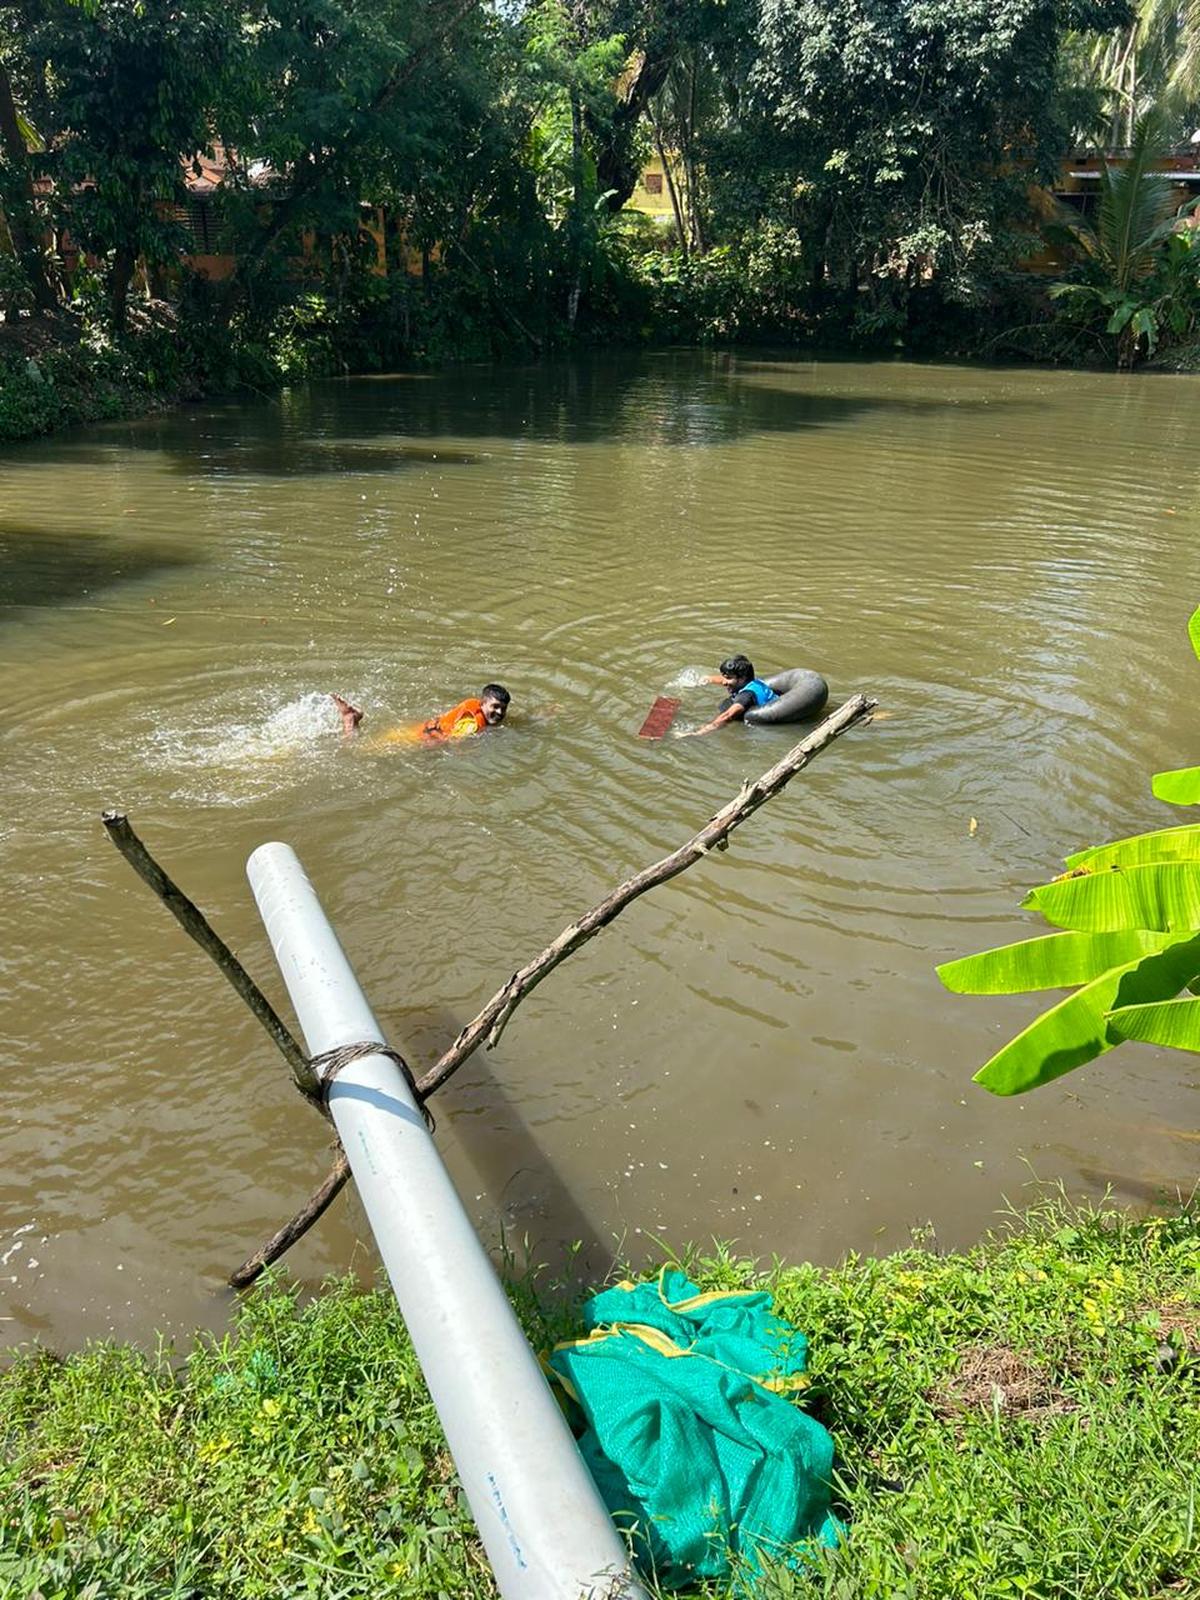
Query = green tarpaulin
x=687 y=1427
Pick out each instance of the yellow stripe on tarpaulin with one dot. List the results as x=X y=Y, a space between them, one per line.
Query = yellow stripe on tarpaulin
x=662 y=1343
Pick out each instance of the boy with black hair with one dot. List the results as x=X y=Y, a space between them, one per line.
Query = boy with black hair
x=467 y=717
x=743 y=691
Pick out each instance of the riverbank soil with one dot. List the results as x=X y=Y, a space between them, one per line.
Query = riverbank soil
x=1019 y=1420
x=55 y=372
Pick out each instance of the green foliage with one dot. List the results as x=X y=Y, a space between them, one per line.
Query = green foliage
x=14 y=282
x=839 y=175
x=1162 y=896
x=1076 y=1030
x=1055 y=961
x=133 y=82
x=1150 y=59
x=754 y=289
x=66 y=385
x=298 y=1456
x=1173 y=1023
x=1134 y=910
x=899 y=139
x=1139 y=276
x=1167 y=844
x=1019 y=1420
x=1178 y=788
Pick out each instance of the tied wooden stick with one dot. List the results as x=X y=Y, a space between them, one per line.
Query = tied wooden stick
x=318 y=1203
x=491 y=1021
x=194 y=923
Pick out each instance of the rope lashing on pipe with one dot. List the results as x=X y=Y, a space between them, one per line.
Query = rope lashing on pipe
x=330 y=1063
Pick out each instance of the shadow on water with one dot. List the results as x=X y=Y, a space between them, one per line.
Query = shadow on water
x=334 y=428
x=40 y=568
x=1150 y=1190
x=535 y=1201
x=251 y=447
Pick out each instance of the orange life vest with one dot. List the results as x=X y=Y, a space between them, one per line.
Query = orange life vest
x=465 y=718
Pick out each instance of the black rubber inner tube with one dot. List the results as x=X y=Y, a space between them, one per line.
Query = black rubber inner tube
x=802 y=694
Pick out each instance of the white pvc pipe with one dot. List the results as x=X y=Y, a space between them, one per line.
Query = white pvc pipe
x=543 y=1524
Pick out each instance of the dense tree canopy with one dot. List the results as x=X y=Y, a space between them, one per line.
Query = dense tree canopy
x=908 y=132
x=858 y=164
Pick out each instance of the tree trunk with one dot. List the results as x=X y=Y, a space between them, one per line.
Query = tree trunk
x=119 y=278
x=695 y=215
x=577 y=223
x=18 y=197
x=616 y=155
x=1131 y=110
x=1124 y=81
x=669 y=179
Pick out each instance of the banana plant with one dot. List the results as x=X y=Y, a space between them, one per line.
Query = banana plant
x=1128 y=946
x=1181 y=787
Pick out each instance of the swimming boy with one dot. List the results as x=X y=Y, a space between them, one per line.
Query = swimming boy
x=743 y=690
x=466 y=718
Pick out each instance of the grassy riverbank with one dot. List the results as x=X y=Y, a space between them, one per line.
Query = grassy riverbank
x=1022 y=1420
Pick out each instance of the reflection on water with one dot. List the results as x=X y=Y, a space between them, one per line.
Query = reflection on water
x=758 y=1050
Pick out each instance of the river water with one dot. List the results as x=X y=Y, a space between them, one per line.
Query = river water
x=759 y=1050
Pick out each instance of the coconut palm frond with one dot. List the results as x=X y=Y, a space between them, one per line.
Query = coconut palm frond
x=1060 y=224
x=29 y=133
x=1135 y=203
x=1184 y=79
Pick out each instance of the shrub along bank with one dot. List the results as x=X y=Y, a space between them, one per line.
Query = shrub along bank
x=63 y=370
x=1020 y=1420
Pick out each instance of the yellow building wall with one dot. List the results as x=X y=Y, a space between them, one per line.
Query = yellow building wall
x=646 y=200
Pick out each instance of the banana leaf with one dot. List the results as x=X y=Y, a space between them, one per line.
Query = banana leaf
x=1178 y=788
x=1174 y=1023
x=1053 y=961
x=1077 y=1030
x=1166 y=844
x=1163 y=896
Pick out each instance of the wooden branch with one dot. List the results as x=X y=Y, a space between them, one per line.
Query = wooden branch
x=490 y=1022
x=194 y=923
x=318 y=1203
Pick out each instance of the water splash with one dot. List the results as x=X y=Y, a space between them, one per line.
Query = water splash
x=290 y=730
x=690 y=678
x=231 y=759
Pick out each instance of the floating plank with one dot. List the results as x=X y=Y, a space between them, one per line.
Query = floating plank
x=659 y=718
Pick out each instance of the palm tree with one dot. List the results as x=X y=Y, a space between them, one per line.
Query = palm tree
x=1155 y=60
x=1122 y=249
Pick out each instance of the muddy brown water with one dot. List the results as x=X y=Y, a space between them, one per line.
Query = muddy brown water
x=759 y=1051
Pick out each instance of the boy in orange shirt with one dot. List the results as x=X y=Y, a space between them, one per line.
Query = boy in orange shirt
x=466 y=718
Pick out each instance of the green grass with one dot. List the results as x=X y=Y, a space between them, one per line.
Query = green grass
x=1019 y=1421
